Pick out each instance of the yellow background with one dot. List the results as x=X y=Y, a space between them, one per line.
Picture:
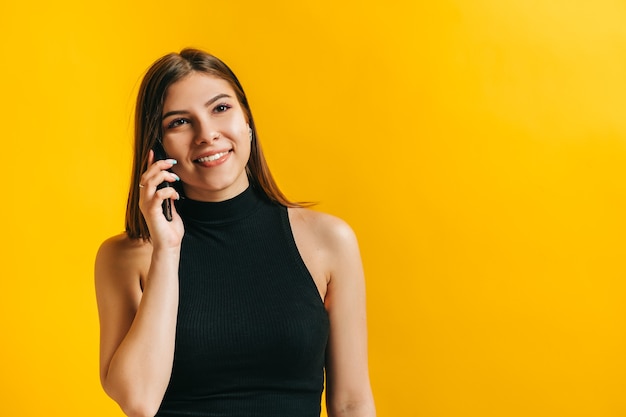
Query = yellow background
x=477 y=147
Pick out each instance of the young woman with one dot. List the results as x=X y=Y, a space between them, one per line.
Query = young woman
x=243 y=302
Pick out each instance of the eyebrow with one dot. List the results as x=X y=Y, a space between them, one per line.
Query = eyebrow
x=207 y=104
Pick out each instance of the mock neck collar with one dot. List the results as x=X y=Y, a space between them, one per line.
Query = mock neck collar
x=217 y=212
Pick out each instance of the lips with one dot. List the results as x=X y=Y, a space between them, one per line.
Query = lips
x=212 y=157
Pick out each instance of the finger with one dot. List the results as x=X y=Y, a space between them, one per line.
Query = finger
x=160 y=165
x=151 y=204
x=168 y=176
x=150 y=185
x=167 y=192
x=157 y=173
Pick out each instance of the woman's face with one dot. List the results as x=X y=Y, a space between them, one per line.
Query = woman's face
x=206 y=131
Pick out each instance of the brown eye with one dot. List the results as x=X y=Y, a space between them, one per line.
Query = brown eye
x=221 y=108
x=177 y=122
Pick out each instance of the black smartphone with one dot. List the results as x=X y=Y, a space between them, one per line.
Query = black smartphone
x=159 y=154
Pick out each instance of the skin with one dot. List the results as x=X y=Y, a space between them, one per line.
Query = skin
x=202 y=117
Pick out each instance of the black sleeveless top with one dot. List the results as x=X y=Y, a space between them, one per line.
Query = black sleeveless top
x=252 y=329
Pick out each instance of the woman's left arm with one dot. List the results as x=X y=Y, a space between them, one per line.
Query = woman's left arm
x=348 y=391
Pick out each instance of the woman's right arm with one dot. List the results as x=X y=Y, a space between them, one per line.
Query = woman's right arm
x=138 y=327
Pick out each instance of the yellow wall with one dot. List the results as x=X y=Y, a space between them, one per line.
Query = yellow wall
x=477 y=147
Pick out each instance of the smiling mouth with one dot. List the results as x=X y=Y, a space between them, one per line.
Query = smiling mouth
x=211 y=158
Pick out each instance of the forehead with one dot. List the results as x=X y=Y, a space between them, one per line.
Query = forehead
x=195 y=89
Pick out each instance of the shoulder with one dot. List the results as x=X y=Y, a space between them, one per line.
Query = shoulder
x=331 y=229
x=331 y=234
x=122 y=248
x=120 y=256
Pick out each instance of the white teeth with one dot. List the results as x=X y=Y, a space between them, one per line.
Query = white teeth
x=213 y=157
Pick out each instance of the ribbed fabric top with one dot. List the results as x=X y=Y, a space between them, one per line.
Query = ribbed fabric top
x=252 y=328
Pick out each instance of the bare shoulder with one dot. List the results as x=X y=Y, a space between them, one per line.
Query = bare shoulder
x=331 y=229
x=120 y=257
x=325 y=240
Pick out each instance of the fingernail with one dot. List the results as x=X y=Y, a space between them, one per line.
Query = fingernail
x=171 y=161
x=176 y=177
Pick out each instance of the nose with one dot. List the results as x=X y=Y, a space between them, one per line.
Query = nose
x=206 y=132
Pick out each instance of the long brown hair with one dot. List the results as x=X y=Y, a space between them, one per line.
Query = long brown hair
x=163 y=73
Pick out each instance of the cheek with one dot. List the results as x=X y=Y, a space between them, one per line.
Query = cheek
x=171 y=150
x=244 y=134
x=178 y=148
x=239 y=128
x=175 y=170
x=175 y=152
x=238 y=125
